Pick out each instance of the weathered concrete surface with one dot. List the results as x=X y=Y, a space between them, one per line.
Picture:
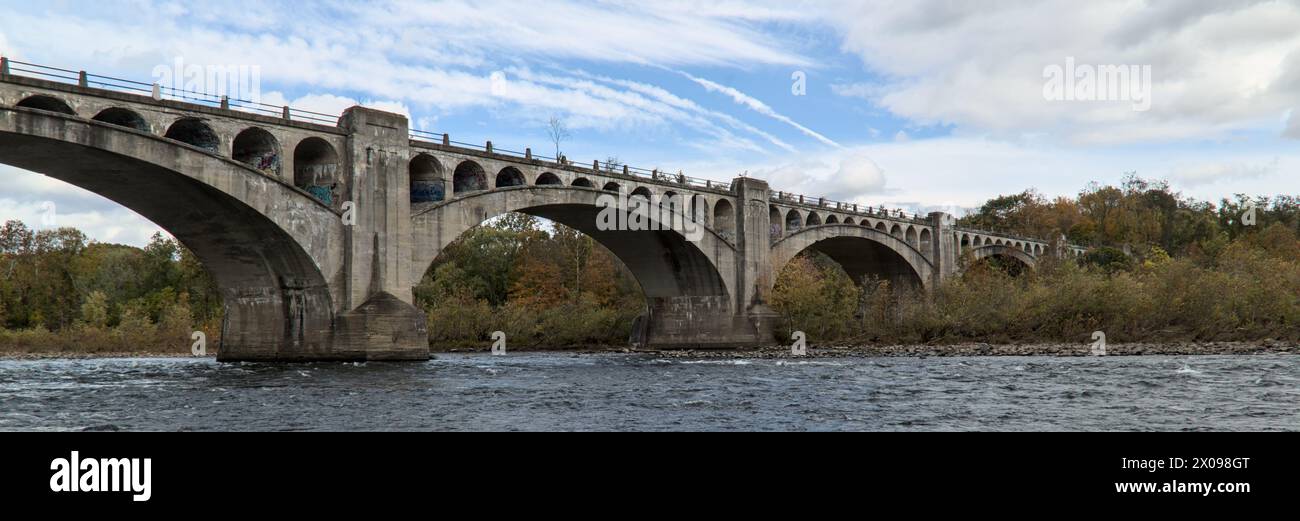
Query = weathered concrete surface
x=688 y=285
x=383 y=328
x=1005 y=252
x=268 y=246
x=862 y=251
x=316 y=239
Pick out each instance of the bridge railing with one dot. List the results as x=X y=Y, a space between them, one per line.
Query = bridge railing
x=607 y=168
x=1000 y=233
x=160 y=92
x=845 y=207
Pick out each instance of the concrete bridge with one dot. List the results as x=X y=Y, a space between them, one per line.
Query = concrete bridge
x=317 y=228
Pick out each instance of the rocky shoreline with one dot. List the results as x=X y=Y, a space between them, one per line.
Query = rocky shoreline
x=844 y=351
x=980 y=349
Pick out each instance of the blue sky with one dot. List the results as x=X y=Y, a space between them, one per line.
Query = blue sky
x=918 y=104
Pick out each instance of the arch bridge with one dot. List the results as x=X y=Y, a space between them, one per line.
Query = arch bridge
x=317 y=228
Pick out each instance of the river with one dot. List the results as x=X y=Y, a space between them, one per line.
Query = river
x=549 y=391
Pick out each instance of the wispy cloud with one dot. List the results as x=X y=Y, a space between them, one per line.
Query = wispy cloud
x=758 y=106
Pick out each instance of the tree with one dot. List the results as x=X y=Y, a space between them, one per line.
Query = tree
x=94 y=311
x=558 y=131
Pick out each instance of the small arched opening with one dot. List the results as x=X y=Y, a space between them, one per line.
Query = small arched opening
x=548 y=178
x=724 y=219
x=123 y=118
x=194 y=132
x=468 y=177
x=427 y=183
x=257 y=148
x=47 y=103
x=510 y=176
x=316 y=170
x=793 y=221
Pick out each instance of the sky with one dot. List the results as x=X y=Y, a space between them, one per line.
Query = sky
x=919 y=104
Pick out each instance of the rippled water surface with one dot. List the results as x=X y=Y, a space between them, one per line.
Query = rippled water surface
x=644 y=392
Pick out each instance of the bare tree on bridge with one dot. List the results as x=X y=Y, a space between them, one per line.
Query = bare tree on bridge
x=558 y=131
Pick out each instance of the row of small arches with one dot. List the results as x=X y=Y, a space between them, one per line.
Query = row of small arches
x=976 y=241
x=315 y=161
x=792 y=221
x=428 y=185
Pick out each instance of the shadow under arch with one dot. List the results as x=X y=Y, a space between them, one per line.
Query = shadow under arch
x=861 y=251
x=260 y=239
x=688 y=284
x=1014 y=260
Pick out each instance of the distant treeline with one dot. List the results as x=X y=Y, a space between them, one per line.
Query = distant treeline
x=1160 y=266
x=59 y=291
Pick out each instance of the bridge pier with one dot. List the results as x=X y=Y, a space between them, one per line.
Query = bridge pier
x=723 y=321
x=381 y=320
x=943 y=247
x=372 y=316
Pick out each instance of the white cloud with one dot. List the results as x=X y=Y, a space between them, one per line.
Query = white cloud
x=29 y=197
x=844 y=175
x=1217 y=67
x=1215 y=172
x=6 y=49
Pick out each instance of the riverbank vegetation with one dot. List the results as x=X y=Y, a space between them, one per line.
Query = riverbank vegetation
x=60 y=292
x=1160 y=268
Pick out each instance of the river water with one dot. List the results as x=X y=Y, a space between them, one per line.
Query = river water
x=647 y=392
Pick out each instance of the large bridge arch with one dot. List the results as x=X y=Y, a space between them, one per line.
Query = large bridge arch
x=271 y=248
x=861 y=251
x=1005 y=251
x=689 y=284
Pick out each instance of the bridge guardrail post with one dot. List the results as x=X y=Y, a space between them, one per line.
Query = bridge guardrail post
x=82 y=80
x=286 y=114
x=446 y=139
x=4 y=66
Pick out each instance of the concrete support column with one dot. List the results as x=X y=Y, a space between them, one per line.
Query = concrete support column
x=381 y=320
x=944 y=252
x=754 y=266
